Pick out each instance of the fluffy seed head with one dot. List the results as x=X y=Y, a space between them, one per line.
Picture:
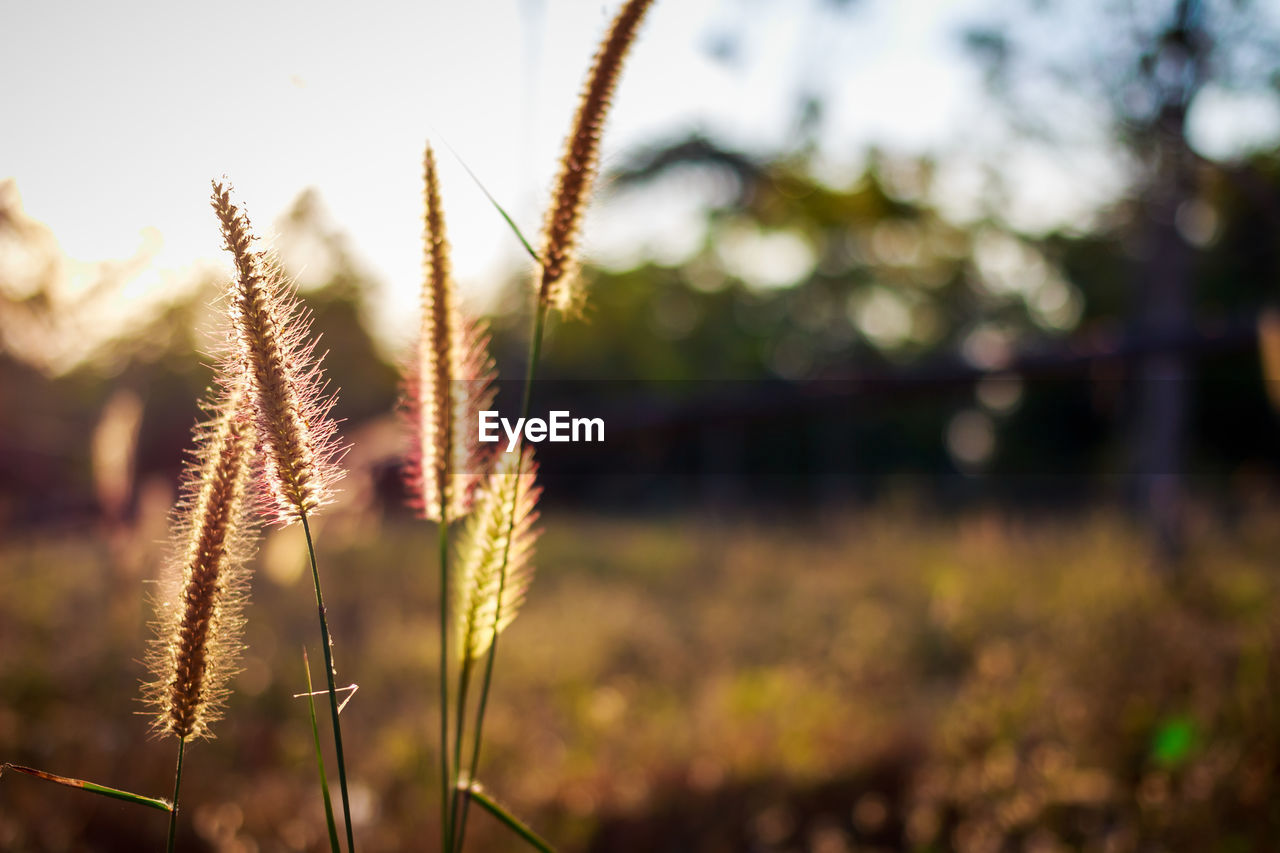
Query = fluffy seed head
x=495 y=559
x=285 y=385
x=448 y=381
x=580 y=161
x=198 y=622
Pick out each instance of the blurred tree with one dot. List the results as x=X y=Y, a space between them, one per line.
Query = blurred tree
x=822 y=281
x=864 y=289
x=1144 y=68
x=791 y=277
x=909 y=331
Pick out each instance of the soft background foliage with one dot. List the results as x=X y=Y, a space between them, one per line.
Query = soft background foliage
x=886 y=679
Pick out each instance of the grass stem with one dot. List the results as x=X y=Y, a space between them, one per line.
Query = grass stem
x=446 y=793
x=464 y=685
x=173 y=810
x=333 y=691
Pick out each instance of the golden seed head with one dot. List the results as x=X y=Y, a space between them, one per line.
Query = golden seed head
x=580 y=162
x=198 y=624
x=495 y=555
x=285 y=385
x=448 y=382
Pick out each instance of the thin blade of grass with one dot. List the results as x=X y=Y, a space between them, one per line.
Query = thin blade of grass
x=114 y=793
x=324 y=779
x=511 y=223
x=506 y=818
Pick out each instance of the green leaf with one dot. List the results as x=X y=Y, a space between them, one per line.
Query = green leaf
x=114 y=793
x=511 y=223
x=507 y=819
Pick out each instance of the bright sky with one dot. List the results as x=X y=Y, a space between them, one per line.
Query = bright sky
x=118 y=114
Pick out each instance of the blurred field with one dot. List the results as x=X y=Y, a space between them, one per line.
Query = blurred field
x=879 y=681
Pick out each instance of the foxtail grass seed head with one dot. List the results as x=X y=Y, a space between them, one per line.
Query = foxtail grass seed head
x=448 y=382
x=198 y=621
x=495 y=559
x=580 y=162
x=285 y=385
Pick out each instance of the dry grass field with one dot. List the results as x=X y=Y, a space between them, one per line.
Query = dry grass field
x=874 y=681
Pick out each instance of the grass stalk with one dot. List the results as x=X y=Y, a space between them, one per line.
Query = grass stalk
x=333 y=691
x=535 y=352
x=464 y=686
x=446 y=795
x=177 y=786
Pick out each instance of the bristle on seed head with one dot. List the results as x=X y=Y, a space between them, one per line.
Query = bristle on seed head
x=580 y=161
x=198 y=623
x=285 y=385
x=448 y=382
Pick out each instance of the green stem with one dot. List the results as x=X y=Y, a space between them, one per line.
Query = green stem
x=464 y=685
x=177 y=785
x=535 y=351
x=446 y=793
x=333 y=690
x=508 y=819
